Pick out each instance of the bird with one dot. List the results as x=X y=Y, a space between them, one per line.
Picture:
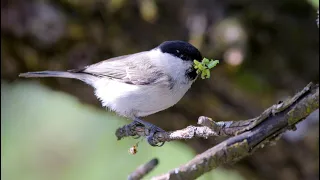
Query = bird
x=140 y=84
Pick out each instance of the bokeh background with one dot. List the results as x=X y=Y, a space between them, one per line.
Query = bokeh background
x=55 y=129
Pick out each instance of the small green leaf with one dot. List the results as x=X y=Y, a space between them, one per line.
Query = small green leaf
x=213 y=64
x=196 y=62
x=207 y=72
x=205 y=61
x=203 y=76
x=203 y=67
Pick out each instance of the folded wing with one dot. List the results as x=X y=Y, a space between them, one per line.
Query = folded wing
x=136 y=69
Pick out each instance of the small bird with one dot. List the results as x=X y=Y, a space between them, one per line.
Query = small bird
x=140 y=84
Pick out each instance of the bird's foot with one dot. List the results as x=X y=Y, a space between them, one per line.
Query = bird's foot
x=153 y=129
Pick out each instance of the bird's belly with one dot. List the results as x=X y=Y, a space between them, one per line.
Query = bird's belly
x=138 y=101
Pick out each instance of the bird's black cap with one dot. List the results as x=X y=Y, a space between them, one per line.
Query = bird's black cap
x=181 y=49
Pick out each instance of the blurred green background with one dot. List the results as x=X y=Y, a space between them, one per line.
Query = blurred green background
x=70 y=140
x=56 y=129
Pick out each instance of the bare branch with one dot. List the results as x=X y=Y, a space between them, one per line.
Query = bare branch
x=208 y=129
x=143 y=170
x=264 y=133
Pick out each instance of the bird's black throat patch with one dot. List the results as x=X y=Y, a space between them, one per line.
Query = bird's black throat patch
x=191 y=73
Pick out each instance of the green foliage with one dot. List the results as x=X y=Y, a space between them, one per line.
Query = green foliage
x=204 y=67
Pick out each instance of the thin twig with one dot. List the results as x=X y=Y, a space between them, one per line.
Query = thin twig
x=143 y=170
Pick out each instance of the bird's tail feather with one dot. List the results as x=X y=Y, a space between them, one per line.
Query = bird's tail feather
x=50 y=74
x=87 y=78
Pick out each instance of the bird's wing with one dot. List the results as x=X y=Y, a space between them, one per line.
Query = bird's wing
x=131 y=69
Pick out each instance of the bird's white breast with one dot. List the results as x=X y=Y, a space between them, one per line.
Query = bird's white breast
x=142 y=100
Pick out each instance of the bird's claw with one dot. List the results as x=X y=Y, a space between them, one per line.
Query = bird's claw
x=150 y=141
x=150 y=138
x=152 y=131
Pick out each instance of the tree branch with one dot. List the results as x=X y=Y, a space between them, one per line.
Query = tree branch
x=248 y=135
x=239 y=146
x=143 y=170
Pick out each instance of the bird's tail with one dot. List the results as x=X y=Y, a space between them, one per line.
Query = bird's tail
x=50 y=74
x=63 y=74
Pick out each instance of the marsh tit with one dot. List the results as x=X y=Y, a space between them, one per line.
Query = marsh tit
x=140 y=84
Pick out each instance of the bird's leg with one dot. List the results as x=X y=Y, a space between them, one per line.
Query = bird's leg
x=152 y=130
